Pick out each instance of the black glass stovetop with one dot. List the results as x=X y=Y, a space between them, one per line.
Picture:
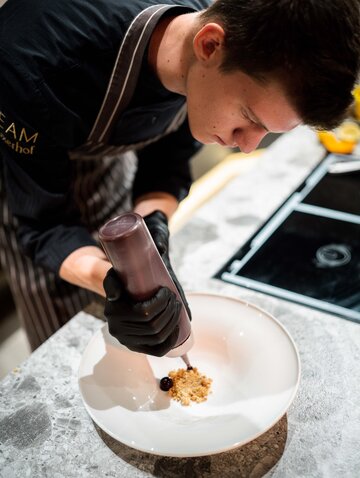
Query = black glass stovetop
x=309 y=250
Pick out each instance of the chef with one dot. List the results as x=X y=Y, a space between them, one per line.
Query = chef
x=102 y=105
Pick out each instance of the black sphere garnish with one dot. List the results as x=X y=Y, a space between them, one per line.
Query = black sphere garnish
x=166 y=383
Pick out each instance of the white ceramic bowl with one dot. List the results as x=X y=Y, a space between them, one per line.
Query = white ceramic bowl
x=249 y=355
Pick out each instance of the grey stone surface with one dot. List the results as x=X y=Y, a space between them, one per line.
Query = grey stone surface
x=45 y=430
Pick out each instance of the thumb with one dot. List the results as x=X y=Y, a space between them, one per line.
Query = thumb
x=112 y=286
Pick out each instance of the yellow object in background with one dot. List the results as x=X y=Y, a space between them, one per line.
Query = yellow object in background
x=356 y=94
x=343 y=139
x=335 y=145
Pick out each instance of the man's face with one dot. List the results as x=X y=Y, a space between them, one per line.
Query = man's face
x=234 y=110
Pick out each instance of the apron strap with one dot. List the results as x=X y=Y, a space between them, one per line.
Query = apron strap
x=125 y=72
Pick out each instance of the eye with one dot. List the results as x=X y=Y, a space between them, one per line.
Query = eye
x=246 y=116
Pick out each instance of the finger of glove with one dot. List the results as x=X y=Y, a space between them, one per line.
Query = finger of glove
x=156 y=218
x=161 y=239
x=157 y=225
x=145 y=311
x=166 y=260
x=161 y=349
x=123 y=320
x=168 y=265
x=124 y=310
x=156 y=222
x=113 y=286
x=147 y=325
x=156 y=335
x=181 y=291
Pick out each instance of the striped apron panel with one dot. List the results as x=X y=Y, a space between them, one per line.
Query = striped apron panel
x=102 y=190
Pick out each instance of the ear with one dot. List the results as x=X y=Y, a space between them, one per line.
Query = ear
x=208 y=44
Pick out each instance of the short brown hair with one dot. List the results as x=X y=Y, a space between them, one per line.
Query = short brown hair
x=311 y=46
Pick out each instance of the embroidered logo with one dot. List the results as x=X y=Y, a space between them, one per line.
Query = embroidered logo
x=16 y=137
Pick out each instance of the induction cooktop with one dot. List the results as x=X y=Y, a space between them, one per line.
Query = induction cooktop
x=308 y=251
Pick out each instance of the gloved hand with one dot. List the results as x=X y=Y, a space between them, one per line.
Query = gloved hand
x=149 y=327
x=157 y=224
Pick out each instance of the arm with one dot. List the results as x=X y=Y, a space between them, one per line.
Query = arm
x=88 y=266
x=149 y=326
x=162 y=180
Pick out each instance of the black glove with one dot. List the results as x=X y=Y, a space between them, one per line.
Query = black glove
x=158 y=227
x=149 y=327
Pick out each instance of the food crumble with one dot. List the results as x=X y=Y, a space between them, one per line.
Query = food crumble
x=187 y=385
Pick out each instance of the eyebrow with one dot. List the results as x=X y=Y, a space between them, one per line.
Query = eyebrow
x=256 y=120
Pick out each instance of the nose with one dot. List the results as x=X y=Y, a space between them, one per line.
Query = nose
x=247 y=139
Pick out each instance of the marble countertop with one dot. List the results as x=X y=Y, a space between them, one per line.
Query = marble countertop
x=45 y=430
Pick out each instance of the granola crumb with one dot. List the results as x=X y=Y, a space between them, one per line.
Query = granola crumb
x=189 y=385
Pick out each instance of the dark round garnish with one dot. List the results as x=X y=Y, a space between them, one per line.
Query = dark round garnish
x=166 y=383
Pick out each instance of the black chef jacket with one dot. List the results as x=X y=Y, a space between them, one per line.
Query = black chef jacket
x=56 y=60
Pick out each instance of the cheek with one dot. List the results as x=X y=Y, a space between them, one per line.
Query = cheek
x=202 y=112
x=202 y=99
x=195 y=124
x=207 y=114
x=197 y=110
